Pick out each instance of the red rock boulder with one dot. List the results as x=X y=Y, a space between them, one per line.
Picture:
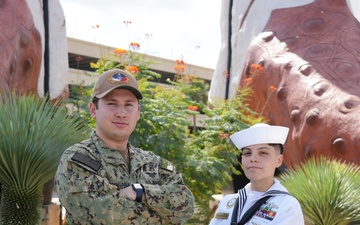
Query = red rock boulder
x=310 y=80
x=20 y=48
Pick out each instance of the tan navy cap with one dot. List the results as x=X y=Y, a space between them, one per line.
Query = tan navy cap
x=116 y=79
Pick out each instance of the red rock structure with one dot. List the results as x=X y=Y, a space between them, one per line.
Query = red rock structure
x=33 y=47
x=310 y=80
x=20 y=48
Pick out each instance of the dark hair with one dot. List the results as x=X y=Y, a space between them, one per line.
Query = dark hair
x=278 y=147
x=95 y=100
x=281 y=170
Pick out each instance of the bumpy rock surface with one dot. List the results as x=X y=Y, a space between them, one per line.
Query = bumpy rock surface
x=20 y=48
x=311 y=79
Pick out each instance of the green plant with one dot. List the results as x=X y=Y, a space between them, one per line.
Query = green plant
x=328 y=190
x=34 y=133
x=80 y=96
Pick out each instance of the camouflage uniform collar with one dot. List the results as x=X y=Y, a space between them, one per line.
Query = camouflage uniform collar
x=100 y=143
x=112 y=156
x=109 y=155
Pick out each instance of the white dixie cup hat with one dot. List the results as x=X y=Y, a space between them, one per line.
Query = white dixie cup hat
x=260 y=133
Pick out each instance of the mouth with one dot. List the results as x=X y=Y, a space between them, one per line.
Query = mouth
x=120 y=123
x=253 y=167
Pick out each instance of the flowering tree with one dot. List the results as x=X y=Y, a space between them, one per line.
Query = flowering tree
x=256 y=72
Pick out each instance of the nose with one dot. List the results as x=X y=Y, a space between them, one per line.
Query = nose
x=120 y=113
x=253 y=158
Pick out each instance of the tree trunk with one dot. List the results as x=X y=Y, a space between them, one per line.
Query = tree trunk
x=20 y=206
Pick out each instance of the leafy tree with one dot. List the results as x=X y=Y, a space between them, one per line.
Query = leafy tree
x=79 y=99
x=34 y=133
x=327 y=189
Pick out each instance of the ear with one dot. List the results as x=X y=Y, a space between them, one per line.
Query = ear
x=92 y=110
x=139 y=113
x=280 y=159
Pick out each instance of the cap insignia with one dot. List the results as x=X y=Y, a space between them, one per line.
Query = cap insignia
x=119 y=78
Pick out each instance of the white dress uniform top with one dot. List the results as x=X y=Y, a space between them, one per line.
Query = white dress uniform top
x=281 y=209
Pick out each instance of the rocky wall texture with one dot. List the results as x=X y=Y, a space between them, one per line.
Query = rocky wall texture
x=309 y=79
x=20 y=48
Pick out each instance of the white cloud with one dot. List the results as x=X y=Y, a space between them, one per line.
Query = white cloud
x=176 y=27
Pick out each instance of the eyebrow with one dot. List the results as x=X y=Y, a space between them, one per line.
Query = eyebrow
x=115 y=100
x=261 y=148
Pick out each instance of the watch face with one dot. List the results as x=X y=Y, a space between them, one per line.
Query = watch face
x=137 y=186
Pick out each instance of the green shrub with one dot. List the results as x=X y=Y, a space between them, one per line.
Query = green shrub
x=328 y=191
x=34 y=134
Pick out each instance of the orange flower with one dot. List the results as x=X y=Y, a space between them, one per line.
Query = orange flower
x=134 y=45
x=180 y=62
x=272 y=88
x=247 y=81
x=179 y=68
x=257 y=67
x=120 y=51
x=132 y=69
x=193 y=108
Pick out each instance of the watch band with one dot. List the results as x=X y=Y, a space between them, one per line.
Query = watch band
x=138 y=188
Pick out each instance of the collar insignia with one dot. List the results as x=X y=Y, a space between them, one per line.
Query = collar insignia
x=231 y=203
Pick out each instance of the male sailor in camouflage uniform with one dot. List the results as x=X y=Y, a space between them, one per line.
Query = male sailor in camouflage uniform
x=105 y=180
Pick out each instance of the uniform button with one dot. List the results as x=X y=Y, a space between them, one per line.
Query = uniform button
x=153 y=203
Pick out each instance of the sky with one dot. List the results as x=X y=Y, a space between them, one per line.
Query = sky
x=186 y=29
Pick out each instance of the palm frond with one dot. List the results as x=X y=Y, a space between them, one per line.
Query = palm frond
x=328 y=190
x=34 y=133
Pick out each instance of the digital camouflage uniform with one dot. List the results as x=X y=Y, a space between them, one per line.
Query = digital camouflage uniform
x=92 y=197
